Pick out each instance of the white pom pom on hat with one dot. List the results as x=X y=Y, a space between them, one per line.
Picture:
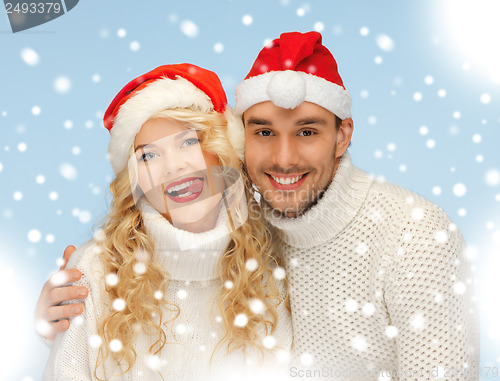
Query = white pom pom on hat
x=286 y=89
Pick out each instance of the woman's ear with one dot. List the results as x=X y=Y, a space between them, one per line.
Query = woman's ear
x=344 y=135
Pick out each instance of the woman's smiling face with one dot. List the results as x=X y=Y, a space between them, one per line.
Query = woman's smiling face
x=177 y=177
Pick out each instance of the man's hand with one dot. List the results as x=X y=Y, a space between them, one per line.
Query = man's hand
x=51 y=317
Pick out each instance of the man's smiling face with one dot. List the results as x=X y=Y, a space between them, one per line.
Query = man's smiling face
x=292 y=154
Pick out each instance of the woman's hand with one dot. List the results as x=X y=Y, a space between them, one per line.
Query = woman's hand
x=50 y=316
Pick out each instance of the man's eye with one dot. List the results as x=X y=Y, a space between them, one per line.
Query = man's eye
x=264 y=133
x=190 y=142
x=307 y=133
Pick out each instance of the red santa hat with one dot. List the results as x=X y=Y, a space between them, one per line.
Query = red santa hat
x=166 y=87
x=292 y=69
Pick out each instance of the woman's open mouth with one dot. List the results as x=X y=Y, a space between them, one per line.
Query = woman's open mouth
x=185 y=190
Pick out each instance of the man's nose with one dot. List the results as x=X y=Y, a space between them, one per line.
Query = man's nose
x=285 y=152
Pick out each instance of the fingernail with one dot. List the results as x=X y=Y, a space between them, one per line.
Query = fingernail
x=82 y=292
x=76 y=310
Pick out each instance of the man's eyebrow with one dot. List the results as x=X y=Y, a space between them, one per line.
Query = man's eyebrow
x=307 y=121
x=257 y=121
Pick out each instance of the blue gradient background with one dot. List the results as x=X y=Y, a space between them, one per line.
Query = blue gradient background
x=84 y=43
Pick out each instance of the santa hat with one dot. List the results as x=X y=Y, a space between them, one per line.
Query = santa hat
x=166 y=87
x=292 y=69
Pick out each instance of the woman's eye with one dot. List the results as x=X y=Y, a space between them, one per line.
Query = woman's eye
x=148 y=156
x=190 y=142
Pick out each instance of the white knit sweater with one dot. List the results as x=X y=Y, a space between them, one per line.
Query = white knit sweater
x=379 y=285
x=191 y=259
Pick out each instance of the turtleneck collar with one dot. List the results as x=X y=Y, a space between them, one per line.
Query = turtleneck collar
x=184 y=255
x=332 y=213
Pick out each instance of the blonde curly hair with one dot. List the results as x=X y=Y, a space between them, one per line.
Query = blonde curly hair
x=125 y=237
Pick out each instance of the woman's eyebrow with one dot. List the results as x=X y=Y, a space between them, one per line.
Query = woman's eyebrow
x=144 y=145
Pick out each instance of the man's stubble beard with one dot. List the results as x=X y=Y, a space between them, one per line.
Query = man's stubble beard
x=312 y=196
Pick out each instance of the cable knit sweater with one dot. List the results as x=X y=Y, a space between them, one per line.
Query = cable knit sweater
x=379 y=285
x=191 y=259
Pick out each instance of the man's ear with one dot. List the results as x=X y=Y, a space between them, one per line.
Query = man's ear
x=344 y=134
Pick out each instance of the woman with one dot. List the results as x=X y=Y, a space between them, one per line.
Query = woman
x=181 y=273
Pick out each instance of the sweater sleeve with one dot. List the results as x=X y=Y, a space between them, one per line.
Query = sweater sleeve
x=72 y=356
x=430 y=299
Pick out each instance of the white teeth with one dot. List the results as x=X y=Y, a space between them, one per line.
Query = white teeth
x=179 y=187
x=185 y=194
x=287 y=180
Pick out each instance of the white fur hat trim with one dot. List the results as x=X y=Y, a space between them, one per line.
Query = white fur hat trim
x=289 y=88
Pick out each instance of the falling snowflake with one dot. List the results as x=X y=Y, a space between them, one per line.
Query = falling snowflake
x=240 y=320
x=84 y=216
x=115 y=345
x=492 y=177
x=181 y=329
x=279 y=273
x=306 y=359
x=269 y=342
x=247 y=20
x=359 y=343
x=441 y=237
x=68 y=171
x=30 y=57
x=158 y=295
x=417 y=321
x=257 y=306
x=119 y=304
x=485 y=98
x=134 y=46
x=459 y=189
x=36 y=110
x=62 y=84
x=417 y=214
x=364 y=31
x=34 y=235
x=368 y=309
x=189 y=28
x=218 y=47
x=441 y=93
x=111 y=279
x=140 y=268
x=121 y=32
x=385 y=43
x=319 y=26
x=95 y=341
x=459 y=288
x=251 y=264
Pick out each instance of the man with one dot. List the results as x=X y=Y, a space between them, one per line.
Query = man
x=379 y=286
